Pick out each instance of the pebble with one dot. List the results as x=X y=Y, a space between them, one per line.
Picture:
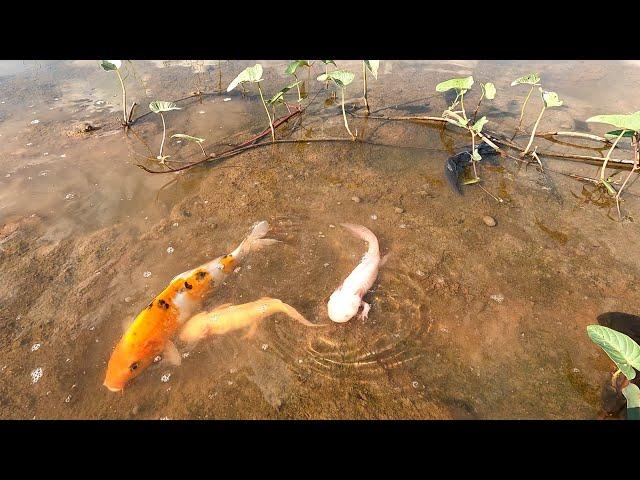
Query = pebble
x=165 y=378
x=170 y=250
x=498 y=297
x=128 y=299
x=356 y=199
x=34 y=122
x=35 y=347
x=36 y=375
x=264 y=346
x=374 y=217
x=489 y=221
x=399 y=210
x=226 y=100
x=146 y=274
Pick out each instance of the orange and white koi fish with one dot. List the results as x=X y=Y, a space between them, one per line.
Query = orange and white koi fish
x=227 y=318
x=345 y=302
x=150 y=333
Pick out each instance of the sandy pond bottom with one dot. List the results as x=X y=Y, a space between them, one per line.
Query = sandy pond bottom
x=467 y=321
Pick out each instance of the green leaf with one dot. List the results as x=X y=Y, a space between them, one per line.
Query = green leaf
x=471 y=181
x=160 y=106
x=632 y=393
x=550 y=99
x=187 y=137
x=460 y=84
x=373 y=66
x=327 y=62
x=610 y=189
x=342 y=78
x=110 y=64
x=249 y=74
x=625 y=122
x=620 y=348
x=489 y=90
x=476 y=155
x=279 y=97
x=616 y=133
x=479 y=124
x=293 y=66
x=531 y=79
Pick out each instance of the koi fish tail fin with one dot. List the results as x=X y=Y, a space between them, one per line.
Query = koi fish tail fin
x=293 y=313
x=255 y=240
x=365 y=234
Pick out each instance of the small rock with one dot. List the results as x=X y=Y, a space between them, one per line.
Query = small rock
x=399 y=210
x=374 y=217
x=128 y=299
x=169 y=250
x=146 y=274
x=36 y=375
x=35 y=347
x=489 y=221
x=356 y=199
x=498 y=297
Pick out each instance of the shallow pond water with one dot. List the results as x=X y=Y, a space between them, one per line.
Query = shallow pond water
x=467 y=321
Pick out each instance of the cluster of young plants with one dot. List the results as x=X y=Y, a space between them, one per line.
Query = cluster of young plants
x=627 y=126
x=459 y=117
x=625 y=353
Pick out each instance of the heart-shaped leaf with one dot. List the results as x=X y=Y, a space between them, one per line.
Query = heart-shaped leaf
x=489 y=90
x=293 y=66
x=531 y=79
x=476 y=155
x=327 y=62
x=625 y=122
x=342 y=78
x=550 y=99
x=373 y=66
x=459 y=84
x=249 y=74
x=479 y=124
x=279 y=97
x=632 y=393
x=620 y=348
x=187 y=137
x=110 y=64
x=160 y=106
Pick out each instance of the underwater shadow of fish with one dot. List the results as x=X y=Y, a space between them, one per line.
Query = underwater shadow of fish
x=456 y=164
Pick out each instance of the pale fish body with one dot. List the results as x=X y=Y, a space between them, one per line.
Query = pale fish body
x=151 y=332
x=345 y=302
x=227 y=318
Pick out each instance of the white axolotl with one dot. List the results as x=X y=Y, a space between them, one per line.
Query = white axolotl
x=345 y=302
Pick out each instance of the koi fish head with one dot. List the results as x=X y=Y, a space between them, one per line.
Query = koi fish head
x=127 y=361
x=342 y=306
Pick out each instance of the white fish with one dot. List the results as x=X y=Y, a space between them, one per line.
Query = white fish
x=345 y=302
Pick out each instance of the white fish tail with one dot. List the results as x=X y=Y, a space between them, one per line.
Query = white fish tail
x=293 y=313
x=255 y=240
x=365 y=234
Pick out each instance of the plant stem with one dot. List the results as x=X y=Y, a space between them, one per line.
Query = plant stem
x=298 y=87
x=606 y=159
x=273 y=133
x=124 y=98
x=636 y=166
x=164 y=132
x=344 y=115
x=464 y=114
x=364 y=76
x=533 y=133
x=475 y=113
x=524 y=105
x=473 y=149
